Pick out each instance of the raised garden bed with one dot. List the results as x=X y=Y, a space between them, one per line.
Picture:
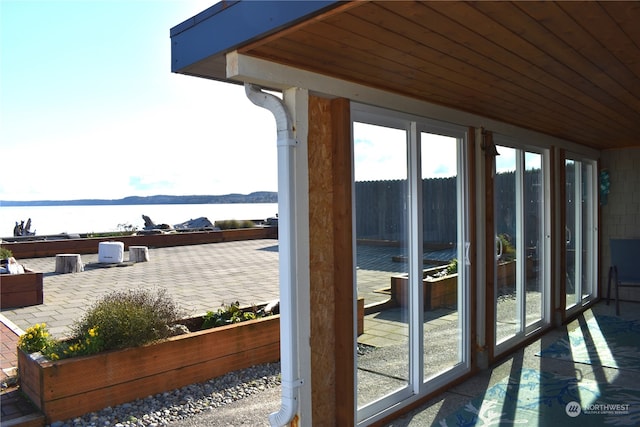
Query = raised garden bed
x=20 y=290
x=439 y=292
x=506 y=274
x=42 y=248
x=71 y=387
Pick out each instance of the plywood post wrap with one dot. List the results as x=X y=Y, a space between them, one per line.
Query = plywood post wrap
x=331 y=268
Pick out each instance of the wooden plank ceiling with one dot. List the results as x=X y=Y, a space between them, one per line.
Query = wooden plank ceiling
x=568 y=69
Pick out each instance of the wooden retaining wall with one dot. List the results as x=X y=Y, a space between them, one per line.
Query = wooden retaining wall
x=46 y=248
x=73 y=387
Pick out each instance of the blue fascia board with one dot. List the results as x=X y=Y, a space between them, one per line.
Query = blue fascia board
x=227 y=25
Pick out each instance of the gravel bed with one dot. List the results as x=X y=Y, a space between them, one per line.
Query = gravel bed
x=180 y=404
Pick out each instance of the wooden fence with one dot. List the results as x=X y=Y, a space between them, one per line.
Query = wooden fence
x=381 y=207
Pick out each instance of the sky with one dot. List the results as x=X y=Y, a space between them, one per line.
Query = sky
x=380 y=153
x=89 y=107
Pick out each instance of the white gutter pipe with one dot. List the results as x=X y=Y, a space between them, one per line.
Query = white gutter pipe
x=288 y=262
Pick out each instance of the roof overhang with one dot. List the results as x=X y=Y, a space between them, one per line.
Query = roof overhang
x=199 y=44
x=566 y=69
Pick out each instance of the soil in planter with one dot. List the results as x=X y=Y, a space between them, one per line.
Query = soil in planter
x=193 y=324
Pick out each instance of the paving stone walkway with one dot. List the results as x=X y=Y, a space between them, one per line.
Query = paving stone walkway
x=198 y=277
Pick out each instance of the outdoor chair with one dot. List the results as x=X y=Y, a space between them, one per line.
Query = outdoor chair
x=625 y=266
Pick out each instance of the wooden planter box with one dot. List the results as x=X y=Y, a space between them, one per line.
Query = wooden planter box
x=20 y=290
x=506 y=274
x=441 y=292
x=44 y=248
x=72 y=387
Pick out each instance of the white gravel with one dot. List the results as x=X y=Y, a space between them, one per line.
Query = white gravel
x=182 y=404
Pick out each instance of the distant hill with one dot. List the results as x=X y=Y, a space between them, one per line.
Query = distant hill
x=256 y=197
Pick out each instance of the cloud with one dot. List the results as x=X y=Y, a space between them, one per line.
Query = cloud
x=139 y=185
x=380 y=153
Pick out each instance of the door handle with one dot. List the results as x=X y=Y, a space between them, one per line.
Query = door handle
x=467 y=247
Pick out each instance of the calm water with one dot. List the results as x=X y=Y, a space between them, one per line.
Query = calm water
x=87 y=219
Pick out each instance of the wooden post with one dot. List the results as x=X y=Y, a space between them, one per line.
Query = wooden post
x=69 y=263
x=138 y=254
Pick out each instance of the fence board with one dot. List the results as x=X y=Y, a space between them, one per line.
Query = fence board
x=381 y=207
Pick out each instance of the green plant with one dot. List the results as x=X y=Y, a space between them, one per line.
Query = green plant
x=5 y=253
x=120 y=319
x=452 y=267
x=229 y=314
x=110 y=234
x=36 y=338
x=508 y=251
x=127 y=319
x=90 y=343
x=229 y=224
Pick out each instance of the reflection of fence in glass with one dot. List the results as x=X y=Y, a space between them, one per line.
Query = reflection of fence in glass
x=570 y=202
x=381 y=207
x=505 y=208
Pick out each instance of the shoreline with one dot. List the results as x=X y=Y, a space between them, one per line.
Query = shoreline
x=79 y=220
x=88 y=245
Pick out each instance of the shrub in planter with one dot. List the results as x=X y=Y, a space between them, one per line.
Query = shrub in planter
x=36 y=339
x=231 y=224
x=63 y=389
x=120 y=319
x=5 y=253
x=508 y=252
x=452 y=267
x=129 y=318
x=8 y=264
x=229 y=314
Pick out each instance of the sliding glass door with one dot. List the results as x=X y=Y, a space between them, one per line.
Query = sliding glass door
x=410 y=219
x=521 y=276
x=382 y=251
x=580 y=231
x=443 y=266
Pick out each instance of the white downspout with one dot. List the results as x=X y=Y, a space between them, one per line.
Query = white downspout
x=287 y=254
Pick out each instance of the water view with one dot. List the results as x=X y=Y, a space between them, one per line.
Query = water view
x=94 y=219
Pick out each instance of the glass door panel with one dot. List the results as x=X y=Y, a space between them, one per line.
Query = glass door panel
x=534 y=241
x=580 y=231
x=442 y=255
x=588 y=222
x=572 y=239
x=410 y=227
x=381 y=173
x=508 y=290
x=520 y=262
